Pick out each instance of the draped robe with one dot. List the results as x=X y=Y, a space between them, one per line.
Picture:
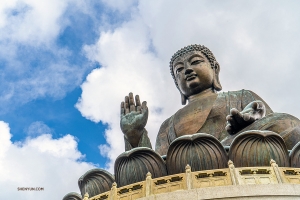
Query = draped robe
x=208 y=115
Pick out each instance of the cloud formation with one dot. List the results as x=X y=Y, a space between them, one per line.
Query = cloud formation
x=32 y=64
x=52 y=164
x=124 y=69
x=38 y=128
x=256 y=44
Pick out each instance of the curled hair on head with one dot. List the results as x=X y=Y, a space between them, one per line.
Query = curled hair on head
x=195 y=47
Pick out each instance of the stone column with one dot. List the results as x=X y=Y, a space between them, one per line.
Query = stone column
x=188 y=174
x=234 y=176
x=114 y=192
x=276 y=171
x=148 y=184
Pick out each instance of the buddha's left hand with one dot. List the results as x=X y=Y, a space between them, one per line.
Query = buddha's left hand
x=236 y=121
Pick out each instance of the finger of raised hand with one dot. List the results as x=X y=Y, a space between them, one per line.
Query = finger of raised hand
x=144 y=107
x=131 y=100
x=131 y=103
x=138 y=103
x=122 y=108
x=126 y=105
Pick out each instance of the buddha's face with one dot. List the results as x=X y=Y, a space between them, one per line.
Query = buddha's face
x=193 y=73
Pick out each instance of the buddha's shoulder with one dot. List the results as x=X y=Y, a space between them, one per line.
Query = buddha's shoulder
x=162 y=140
x=237 y=94
x=165 y=125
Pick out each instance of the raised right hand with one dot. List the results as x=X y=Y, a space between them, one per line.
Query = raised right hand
x=134 y=116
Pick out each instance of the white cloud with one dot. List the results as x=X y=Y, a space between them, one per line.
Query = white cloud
x=33 y=65
x=127 y=66
x=120 y=5
x=256 y=44
x=54 y=164
x=38 y=128
x=31 y=21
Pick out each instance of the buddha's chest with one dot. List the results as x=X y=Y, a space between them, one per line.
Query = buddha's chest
x=192 y=117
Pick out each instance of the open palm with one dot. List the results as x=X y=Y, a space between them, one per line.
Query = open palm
x=134 y=116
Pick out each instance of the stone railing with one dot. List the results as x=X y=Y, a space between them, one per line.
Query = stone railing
x=201 y=179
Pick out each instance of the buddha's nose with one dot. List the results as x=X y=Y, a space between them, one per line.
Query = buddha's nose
x=188 y=71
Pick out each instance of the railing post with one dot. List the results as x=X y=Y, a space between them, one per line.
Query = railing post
x=148 y=184
x=233 y=174
x=86 y=196
x=113 y=192
x=276 y=170
x=188 y=174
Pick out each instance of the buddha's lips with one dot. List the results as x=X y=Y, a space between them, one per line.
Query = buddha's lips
x=190 y=77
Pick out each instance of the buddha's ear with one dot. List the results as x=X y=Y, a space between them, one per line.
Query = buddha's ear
x=216 y=82
x=183 y=99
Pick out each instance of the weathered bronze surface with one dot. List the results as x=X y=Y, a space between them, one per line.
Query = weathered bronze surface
x=195 y=134
x=257 y=148
x=240 y=119
x=134 y=116
x=201 y=151
x=132 y=166
x=72 y=196
x=95 y=181
x=286 y=125
x=223 y=115
x=213 y=119
x=295 y=156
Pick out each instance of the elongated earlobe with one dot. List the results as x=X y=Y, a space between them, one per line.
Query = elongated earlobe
x=216 y=82
x=183 y=99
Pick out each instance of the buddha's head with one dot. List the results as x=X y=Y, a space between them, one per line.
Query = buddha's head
x=194 y=70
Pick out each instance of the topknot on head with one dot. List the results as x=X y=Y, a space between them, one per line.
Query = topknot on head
x=194 y=47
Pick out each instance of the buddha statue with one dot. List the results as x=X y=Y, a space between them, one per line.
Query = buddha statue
x=223 y=115
x=196 y=135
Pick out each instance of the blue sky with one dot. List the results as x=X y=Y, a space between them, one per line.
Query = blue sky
x=65 y=66
x=55 y=111
x=61 y=117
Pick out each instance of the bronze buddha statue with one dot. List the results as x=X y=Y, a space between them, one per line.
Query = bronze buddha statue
x=223 y=115
x=197 y=133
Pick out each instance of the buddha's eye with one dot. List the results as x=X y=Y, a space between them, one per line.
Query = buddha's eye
x=195 y=62
x=179 y=69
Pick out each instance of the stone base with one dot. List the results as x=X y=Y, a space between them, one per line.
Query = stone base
x=270 y=191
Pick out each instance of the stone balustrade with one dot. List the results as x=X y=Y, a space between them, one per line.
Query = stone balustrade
x=203 y=179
